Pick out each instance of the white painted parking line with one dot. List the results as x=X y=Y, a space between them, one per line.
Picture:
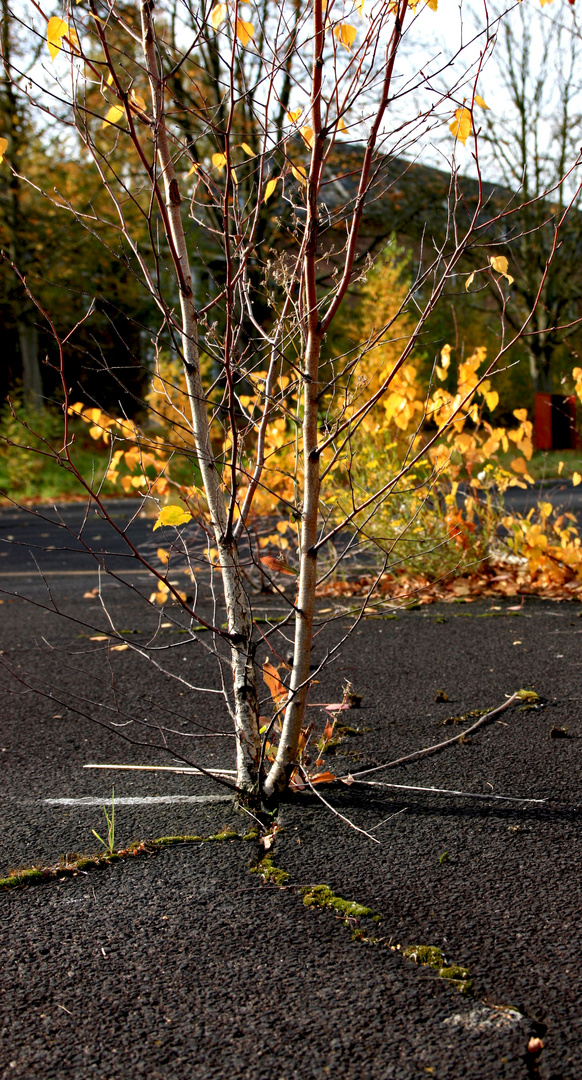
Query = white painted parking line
x=138 y=800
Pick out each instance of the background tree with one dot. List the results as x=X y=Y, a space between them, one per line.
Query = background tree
x=538 y=59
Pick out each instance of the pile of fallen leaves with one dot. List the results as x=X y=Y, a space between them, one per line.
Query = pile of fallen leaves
x=489 y=579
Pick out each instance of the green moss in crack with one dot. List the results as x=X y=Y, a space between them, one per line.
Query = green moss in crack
x=458 y=977
x=21 y=877
x=431 y=956
x=226 y=834
x=271 y=874
x=322 y=896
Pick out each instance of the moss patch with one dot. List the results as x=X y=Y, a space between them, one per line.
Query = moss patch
x=271 y=874
x=322 y=896
x=68 y=866
x=431 y=956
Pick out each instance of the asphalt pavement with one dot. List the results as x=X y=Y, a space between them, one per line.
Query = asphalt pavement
x=182 y=962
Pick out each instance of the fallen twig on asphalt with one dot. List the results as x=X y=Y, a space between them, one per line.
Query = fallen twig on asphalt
x=437 y=746
x=305 y=777
x=167 y=768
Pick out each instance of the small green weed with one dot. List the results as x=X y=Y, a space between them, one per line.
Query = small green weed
x=110 y=844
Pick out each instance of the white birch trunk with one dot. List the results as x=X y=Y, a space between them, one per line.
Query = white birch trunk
x=286 y=758
x=237 y=604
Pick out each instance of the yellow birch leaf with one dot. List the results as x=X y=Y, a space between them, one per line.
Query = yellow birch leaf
x=446 y=356
x=432 y=4
x=500 y=264
x=294 y=116
x=244 y=31
x=307 y=134
x=137 y=101
x=479 y=101
x=300 y=173
x=193 y=169
x=247 y=149
x=271 y=185
x=345 y=34
x=110 y=79
x=360 y=7
x=114 y=115
x=163 y=555
x=576 y=479
x=341 y=126
x=520 y=414
x=73 y=39
x=56 y=30
x=219 y=161
x=492 y=399
x=461 y=126
x=172 y=515
x=3 y=149
x=519 y=465
x=560 y=467
x=470 y=280
x=234 y=176
x=217 y=15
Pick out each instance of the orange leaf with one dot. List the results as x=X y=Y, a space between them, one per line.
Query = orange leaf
x=277 y=689
x=278 y=564
x=323 y=778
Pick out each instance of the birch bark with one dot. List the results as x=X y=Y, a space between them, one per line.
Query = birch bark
x=238 y=610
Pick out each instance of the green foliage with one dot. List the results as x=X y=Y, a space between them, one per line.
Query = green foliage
x=30 y=470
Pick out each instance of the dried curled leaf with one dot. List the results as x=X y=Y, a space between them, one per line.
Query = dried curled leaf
x=461 y=126
x=277 y=689
x=172 y=515
x=278 y=564
x=500 y=264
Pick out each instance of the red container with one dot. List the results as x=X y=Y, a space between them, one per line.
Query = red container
x=555 y=422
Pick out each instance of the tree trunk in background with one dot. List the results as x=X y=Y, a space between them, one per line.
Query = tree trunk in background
x=31 y=377
x=23 y=311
